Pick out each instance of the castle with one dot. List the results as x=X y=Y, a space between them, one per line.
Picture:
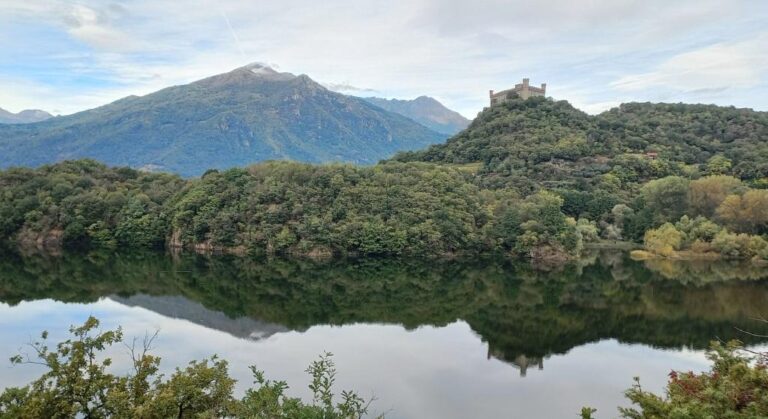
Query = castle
x=523 y=90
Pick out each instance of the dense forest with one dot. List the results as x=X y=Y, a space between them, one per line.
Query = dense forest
x=533 y=177
x=282 y=207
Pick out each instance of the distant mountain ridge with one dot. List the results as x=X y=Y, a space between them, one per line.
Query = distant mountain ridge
x=250 y=114
x=24 y=117
x=425 y=110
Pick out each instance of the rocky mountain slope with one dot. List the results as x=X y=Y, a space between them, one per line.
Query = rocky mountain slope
x=426 y=111
x=251 y=114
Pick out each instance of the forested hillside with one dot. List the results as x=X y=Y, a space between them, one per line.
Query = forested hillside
x=630 y=169
x=283 y=207
x=534 y=143
x=536 y=178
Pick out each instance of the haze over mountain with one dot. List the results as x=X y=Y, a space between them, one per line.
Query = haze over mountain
x=425 y=110
x=250 y=114
x=24 y=117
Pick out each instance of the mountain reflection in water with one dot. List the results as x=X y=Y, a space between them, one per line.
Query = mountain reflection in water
x=523 y=314
x=399 y=315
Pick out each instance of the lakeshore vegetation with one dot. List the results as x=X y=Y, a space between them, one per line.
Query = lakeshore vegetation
x=535 y=178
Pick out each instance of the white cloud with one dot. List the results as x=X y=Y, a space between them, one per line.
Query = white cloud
x=347 y=88
x=595 y=108
x=94 y=27
x=711 y=69
x=455 y=50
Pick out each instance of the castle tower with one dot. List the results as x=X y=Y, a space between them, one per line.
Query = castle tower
x=522 y=90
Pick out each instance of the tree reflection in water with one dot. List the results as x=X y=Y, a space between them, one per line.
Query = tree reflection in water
x=523 y=314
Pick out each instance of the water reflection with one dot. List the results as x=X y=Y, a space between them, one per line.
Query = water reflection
x=408 y=325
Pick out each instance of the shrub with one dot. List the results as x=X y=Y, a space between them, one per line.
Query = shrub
x=78 y=383
x=664 y=240
x=735 y=387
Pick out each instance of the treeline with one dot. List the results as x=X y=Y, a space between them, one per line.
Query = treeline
x=539 y=142
x=84 y=202
x=596 y=162
x=716 y=215
x=389 y=209
x=283 y=207
x=532 y=177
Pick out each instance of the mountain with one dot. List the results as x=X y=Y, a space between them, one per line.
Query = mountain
x=426 y=111
x=250 y=114
x=23 y=117
x=178 y=307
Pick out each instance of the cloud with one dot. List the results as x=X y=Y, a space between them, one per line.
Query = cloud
x=455 y=50
x=346 y=87
x=94 y=27
x=711 y=69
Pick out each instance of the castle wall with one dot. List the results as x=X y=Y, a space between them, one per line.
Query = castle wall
x=523 y=90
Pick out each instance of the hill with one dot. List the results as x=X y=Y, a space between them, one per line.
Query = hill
x=542 y=143
x=248 y=115
x=536 y=178
x=24 y=117
x=426 y=111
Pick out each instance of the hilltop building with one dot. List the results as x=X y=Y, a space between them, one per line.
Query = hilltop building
x=523 y=90
x=521 y=361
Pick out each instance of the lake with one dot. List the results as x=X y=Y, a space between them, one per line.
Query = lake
x=485 y=338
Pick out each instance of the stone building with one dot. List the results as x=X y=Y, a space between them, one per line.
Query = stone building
x=523 y=90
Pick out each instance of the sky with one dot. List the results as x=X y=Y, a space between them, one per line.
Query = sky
x=68 y=56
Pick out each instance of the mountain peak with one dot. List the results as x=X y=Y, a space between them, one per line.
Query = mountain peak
x=24 y=117
x=250 y=114
x=264 y=71
x=426 y=111
x=426 y=99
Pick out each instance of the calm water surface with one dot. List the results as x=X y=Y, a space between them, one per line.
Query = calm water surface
x=484 y=339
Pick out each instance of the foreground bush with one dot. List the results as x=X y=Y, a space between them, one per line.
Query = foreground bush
x=735 y=387
x=79 y=385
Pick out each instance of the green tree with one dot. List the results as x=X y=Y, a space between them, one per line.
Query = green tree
x=707 y=193
x=667 y=197
x=747 y=212
x=663 y=240
x=718 y=165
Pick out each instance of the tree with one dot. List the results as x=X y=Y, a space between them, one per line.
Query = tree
x=747 y=212
x=707 y=193
x=718 y=165
x=696 y=229
x=667 y=197
x=620 y=214
x=663 y=240
x=740 y=246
